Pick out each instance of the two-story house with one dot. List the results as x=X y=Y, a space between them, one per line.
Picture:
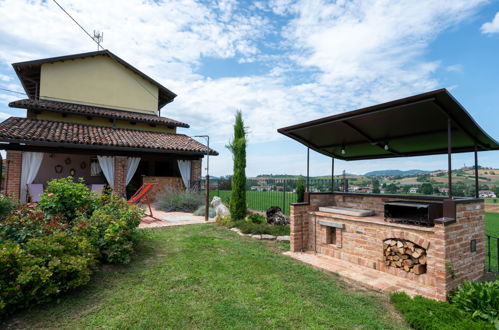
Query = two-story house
x=95 y=116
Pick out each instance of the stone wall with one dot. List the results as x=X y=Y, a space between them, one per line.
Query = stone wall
x=359 y=240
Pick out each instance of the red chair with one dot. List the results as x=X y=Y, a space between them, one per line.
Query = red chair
x=141 y=196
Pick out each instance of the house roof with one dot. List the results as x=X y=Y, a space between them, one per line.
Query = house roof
x=29 y=74
x=50 y=133
x=87 y=110
x=412 y=126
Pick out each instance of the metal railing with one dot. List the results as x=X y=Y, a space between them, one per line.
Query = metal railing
x=492 y=253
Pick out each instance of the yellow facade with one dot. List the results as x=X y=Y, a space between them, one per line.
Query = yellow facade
x=69 y=118
x=98 y=81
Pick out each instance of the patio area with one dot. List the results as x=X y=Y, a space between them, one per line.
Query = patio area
x=169 y=219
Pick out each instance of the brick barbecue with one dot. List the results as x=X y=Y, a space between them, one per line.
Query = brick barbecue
x=436 y=257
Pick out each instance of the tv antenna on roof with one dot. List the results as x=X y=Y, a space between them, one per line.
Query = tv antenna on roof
x=98 y=38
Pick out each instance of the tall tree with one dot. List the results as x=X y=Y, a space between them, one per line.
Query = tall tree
x=238 y=148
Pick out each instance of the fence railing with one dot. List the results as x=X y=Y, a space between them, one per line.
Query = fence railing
x=492 y=254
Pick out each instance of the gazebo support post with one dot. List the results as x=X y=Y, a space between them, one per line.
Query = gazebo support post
x=449 y=154
x=308 y=169
x=332 y=174
x=476 y=171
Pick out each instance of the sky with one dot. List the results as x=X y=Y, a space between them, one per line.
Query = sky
x=280 y=62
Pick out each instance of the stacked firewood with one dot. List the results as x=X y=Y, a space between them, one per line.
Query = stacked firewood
x=405 y=255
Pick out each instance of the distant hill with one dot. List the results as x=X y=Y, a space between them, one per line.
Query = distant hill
x=395 y=172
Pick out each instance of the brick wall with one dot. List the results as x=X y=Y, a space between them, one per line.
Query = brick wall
x=120 y=176
x=359 y=240
x=163 y=184
x=196 y=170
x=12 y=177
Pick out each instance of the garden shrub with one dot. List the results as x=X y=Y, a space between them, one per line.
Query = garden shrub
x=181 y=200
x=67 y=198
x=44 y=266
x=300 y=190
x=225 y=221
x=6 y=206
x=112 y=229
x=427 y=314
x=479 y=299
x=256 y=218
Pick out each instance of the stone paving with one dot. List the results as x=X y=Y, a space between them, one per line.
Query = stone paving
x=368 y=277
x=169 y=219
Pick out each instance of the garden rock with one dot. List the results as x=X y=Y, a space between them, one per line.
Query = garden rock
x=283 y=238
x=220 y=209
x=268 y=237
x=256 y=236
x=275 y=216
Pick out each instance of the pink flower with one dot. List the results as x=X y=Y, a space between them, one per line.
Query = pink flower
x=50 y=194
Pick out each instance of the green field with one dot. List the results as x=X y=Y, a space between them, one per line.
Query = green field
x=261 y=200
x=491 y=200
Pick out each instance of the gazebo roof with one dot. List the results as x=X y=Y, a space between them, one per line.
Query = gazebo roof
x=412 y=126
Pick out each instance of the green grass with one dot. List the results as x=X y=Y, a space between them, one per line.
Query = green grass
x=491 y=200
x=261 y=200
x=428 y=314
x=205 y=276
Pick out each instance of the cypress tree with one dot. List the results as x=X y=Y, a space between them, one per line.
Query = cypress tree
x=238 y=148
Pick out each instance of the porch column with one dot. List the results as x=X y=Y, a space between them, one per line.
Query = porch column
x=120 y=176
x=13 y=175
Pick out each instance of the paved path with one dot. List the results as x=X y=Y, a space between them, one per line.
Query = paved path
x=371 y=278
x=169 y=219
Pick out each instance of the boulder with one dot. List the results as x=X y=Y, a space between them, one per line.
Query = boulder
x=276 y=217
x=220 y=209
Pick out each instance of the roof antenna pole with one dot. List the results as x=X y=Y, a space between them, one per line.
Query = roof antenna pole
x=98 y=38
x=449 y=154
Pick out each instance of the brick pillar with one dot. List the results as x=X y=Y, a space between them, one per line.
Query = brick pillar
x=120 y=176
x=299 y=223
x=13 y=175
x=195 y=171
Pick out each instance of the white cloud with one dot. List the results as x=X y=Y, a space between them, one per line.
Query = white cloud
x=491 y=27
x=323 y=58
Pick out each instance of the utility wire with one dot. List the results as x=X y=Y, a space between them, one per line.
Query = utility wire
x=81 y=27
x=8 y=90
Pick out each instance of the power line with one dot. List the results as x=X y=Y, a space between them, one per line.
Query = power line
x=81 y=27
x=8 y=90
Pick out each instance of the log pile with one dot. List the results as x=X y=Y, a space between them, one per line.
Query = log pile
x=405 y=255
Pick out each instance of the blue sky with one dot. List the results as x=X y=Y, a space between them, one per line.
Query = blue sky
x=281 y=62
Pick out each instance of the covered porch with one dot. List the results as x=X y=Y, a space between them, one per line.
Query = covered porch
x=123 y=159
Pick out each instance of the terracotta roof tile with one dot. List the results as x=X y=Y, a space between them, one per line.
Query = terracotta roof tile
x=28 y=130
x=88 y=110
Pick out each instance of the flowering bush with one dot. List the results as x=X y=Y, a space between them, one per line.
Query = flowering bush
x=68 y=199
x=112 y=229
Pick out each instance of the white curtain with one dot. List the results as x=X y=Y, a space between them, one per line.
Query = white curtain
x=107 y=165
x=95 y=169
x=131 y=167
x=185 y=171
x=30 y=165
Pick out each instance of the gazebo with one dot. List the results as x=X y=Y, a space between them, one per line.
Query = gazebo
x=433 y=242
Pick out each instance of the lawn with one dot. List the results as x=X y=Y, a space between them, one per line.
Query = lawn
x=204 y=276
x=261 y=200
